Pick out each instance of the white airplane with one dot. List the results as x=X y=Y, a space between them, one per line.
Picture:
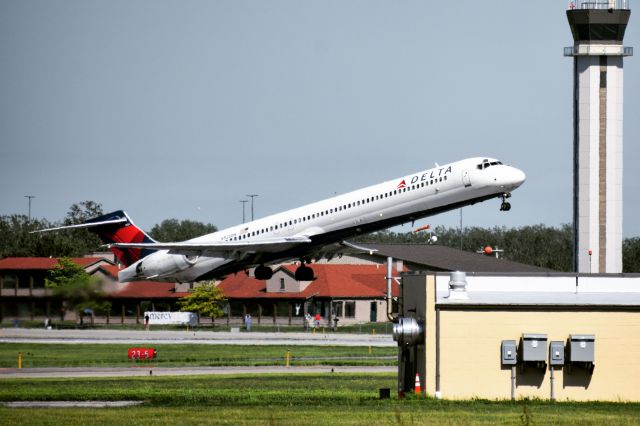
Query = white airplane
x=306 y=233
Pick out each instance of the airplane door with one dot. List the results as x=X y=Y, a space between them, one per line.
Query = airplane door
x=466 y=178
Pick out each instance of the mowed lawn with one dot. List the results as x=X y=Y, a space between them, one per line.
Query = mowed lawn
x=179 y=355
x=287 y=399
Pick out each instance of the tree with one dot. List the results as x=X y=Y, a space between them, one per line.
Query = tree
x=205 y=299
x=538 y=245
x=17 y=239
x=79 y=291
x=84 y=241
x=631 y=255
x=83 y=211
x=174 y=230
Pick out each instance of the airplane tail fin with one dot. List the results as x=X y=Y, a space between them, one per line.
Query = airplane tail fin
x=117 y=227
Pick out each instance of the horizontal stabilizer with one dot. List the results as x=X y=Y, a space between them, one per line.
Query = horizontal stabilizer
x=83 y=225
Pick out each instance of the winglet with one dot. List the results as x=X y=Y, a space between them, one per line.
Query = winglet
x=359 y=248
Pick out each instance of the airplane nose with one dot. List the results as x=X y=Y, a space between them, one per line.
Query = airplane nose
x=517 y=177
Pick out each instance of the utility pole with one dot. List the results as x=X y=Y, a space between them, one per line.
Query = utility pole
x=244 y=202
x=252 y=197
x=460 y=228
x=29 y=197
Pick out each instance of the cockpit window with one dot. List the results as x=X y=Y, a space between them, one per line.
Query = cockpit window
x=485 y=163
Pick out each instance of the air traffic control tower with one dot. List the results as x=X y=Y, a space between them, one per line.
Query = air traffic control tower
x=598 y=29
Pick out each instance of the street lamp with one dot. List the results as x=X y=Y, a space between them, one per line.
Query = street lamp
x=29 y=197
x=252 y=197
x=244 y=202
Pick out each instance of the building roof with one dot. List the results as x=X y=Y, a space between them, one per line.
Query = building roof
x=44 y=263
x=442 y=258
x=542 y=290
x=332 y=281
x=111 y=270
x=147 y=290
x=140 y=289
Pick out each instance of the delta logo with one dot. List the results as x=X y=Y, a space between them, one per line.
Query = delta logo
x=426 y=176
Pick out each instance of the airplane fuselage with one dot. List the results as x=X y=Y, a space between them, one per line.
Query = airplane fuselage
x=332 y=220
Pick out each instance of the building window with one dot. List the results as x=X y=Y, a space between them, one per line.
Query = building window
x=350 y=309
x=337 y=309
x=281 y=284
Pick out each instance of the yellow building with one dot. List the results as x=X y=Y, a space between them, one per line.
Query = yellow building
x=454 y=326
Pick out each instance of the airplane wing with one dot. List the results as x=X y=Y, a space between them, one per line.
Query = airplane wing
x=221 y=248
x=339 y=249
x=266 y=245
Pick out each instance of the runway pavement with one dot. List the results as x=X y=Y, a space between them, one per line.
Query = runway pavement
x=34 y=335
x=134 y=337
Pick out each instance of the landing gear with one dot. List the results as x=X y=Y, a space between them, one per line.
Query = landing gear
x=304 y=273
x=262 y=272
x=505 y=206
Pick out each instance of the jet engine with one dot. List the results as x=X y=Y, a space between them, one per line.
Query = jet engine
x=157 y=266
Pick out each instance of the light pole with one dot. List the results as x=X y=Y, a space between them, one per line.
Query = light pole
x=244 y=202
x=252 y=197
x=29 y=197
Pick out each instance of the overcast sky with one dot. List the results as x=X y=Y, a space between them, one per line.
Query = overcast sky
x=178 y=109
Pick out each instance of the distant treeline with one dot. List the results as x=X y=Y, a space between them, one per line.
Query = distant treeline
x=538 y=245
x=17 y=239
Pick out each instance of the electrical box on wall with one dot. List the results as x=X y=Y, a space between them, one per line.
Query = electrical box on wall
x=581 y=351
x=556 y=353
x=509 y=352
x=582 y=348
x=533 y=347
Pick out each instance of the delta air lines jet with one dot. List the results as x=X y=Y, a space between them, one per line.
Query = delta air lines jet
x=307 y=233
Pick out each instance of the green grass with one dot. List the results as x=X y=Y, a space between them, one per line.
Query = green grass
x=307 y=399
x=179 y=355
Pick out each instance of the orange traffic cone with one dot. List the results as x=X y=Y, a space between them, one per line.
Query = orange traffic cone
x=417 y=389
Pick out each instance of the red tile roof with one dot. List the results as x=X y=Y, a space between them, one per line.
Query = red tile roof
x=332 y=281
x=147 y=289
x=141 y=289
x=111 y=270
x=46 y=263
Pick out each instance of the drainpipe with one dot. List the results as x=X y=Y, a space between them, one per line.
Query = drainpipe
x=389 y=286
